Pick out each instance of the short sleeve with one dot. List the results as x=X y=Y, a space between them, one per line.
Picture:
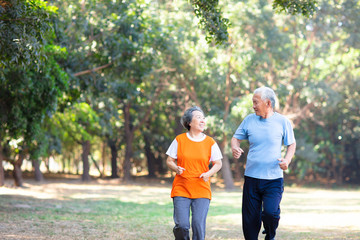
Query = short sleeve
x=215 y=153
x=241 y=131
x=172 y=150
x=289 y=137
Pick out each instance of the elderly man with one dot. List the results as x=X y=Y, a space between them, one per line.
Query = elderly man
x=266 y=131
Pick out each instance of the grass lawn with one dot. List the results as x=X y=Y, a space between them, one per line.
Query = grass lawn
x=70 y=209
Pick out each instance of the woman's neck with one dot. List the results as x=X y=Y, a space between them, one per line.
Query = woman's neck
x=196 y=134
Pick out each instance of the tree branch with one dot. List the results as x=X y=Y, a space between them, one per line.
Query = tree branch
x=92 y=70
x=147 y=114
x=69 y=132
x=19 y=19
x=191 y=92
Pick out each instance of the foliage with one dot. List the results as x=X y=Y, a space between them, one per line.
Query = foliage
x=210 y=19
x=30 y=89
x=216 y=26
x=304 y=7
x=78 y=123
x=24 y=25
x=28 y=96
x=133 y=67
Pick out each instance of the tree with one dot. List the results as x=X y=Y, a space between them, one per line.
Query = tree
x=23 y=27
x=306 y=61
x=258 y=54
x=216 y=26
x=80 y=123
x=121 y=49
x=29 y=88
x=26 y=97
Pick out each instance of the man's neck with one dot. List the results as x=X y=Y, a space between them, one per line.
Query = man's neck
x=268 y=114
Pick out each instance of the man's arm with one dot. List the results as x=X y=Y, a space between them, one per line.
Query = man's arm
x=284 y=162
x=235 y=147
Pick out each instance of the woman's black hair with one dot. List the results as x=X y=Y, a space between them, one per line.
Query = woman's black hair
x=188 y=115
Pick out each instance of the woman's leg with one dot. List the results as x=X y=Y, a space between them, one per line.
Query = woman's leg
x=181 y=218
x=199 y=210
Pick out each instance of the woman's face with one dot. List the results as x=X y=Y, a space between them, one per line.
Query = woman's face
x=198 y=121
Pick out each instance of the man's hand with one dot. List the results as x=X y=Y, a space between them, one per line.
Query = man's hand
x=237 y=151
x=235 y=147
x=283 y=163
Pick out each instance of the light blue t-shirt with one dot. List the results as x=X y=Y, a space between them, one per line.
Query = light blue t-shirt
x=266 y=136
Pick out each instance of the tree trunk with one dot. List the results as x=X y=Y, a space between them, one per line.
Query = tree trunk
x=103 y=158
x=238 y=173
x=128 y=155
x=151 y=160
x=38 y=174
x=130 y=131
x=227 y=174
x=226 y=169
x=63 y=161
x=17 y=174
x=47 y=163
x=129 y=136
x=96 y=165
x=85 y=160
x=2 y=175
x=179 y=128
x=160 y=165
x=114 y=168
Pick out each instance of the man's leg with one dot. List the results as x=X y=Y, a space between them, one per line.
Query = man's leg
x=273 y=190
x=251 y=209
x=181 y=218
x=199 y=210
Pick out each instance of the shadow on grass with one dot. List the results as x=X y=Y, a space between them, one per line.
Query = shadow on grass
x=30 y=217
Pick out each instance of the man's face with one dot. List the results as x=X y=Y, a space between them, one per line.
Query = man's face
x=260 y=106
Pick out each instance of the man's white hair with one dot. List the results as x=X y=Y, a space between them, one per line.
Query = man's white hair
x=267 y=93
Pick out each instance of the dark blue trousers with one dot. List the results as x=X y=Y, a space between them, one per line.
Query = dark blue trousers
x=261 y=202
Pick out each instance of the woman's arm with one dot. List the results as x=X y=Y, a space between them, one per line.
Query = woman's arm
x=215 y=168
x=171 y=163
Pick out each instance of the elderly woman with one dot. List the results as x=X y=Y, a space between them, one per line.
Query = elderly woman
x=190 y=155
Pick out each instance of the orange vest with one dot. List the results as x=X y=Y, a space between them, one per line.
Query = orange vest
x=195 y=158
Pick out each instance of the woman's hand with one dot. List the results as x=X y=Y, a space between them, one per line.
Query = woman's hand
x=171 y=163
x=217 y=164
x=179 y=170
x=205 y=176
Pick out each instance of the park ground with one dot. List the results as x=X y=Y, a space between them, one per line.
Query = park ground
x=108 y=209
